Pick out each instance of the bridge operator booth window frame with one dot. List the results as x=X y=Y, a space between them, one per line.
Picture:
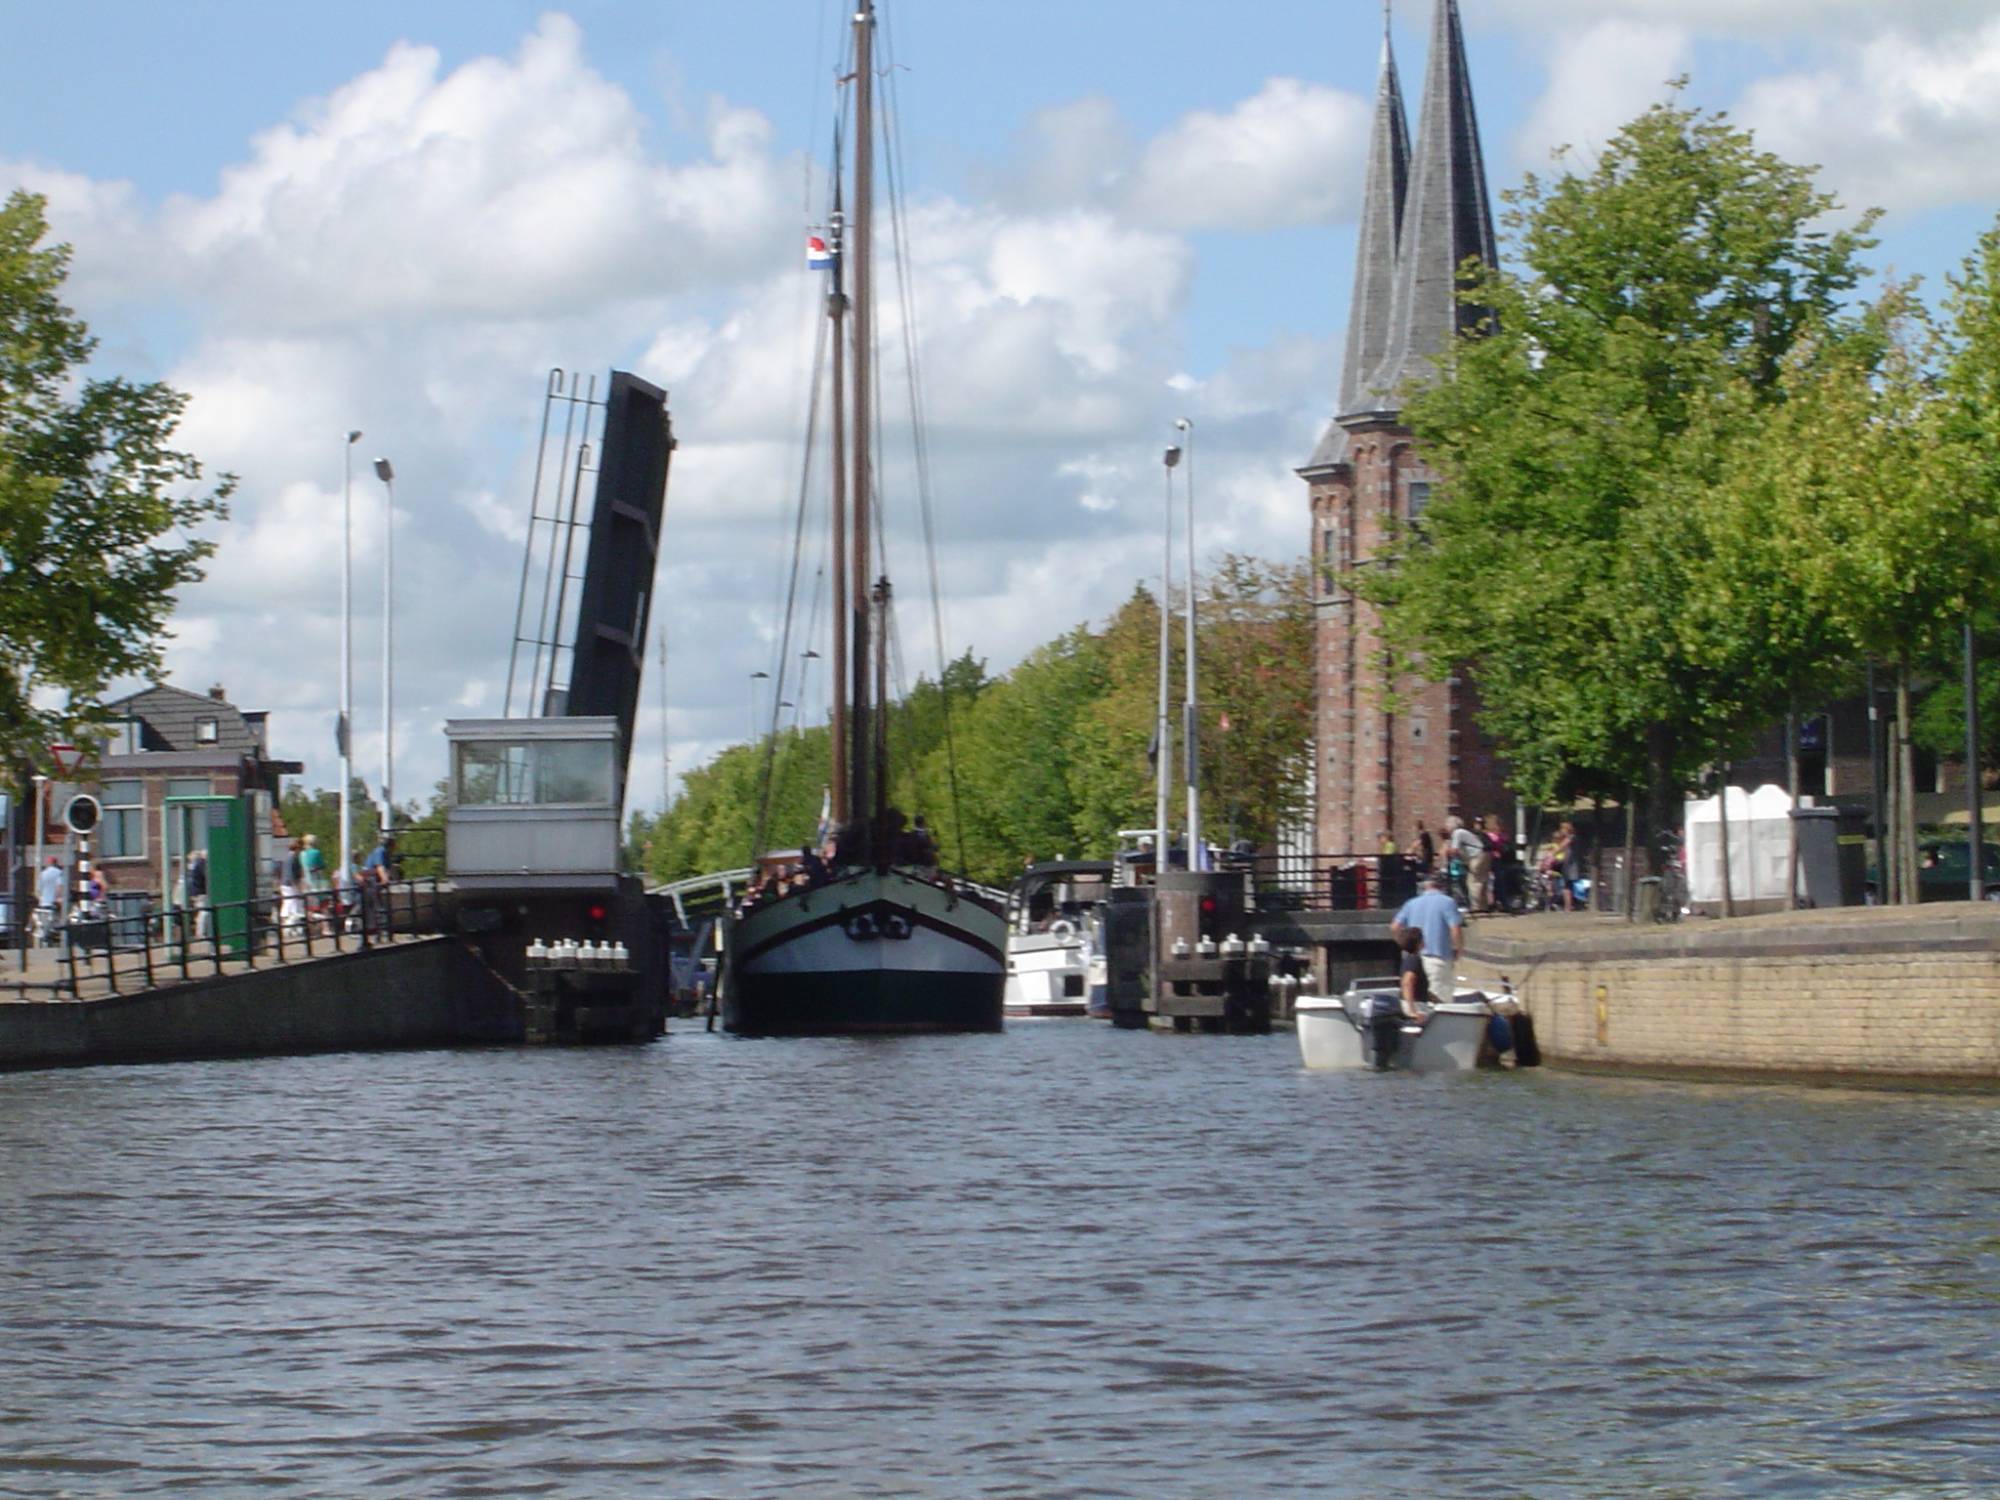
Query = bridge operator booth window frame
x=534 y=773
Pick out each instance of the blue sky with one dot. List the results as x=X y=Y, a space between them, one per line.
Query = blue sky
x=399 y=217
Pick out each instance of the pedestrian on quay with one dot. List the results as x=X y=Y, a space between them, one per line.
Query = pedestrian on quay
x=1555 y=861
x=50 y=888
x=1432 y=913
x=379 y=868
x=194 y=885
x=291 y=886
x=1386 y=843
x=313 y=864
x=1468 y=852
x=1423 y=850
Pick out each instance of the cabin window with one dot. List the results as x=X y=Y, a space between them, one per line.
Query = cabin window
x=534 y=773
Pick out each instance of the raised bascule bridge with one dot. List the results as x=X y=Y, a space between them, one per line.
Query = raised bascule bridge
x=533 y=934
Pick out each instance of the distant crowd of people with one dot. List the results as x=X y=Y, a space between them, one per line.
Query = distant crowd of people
x=1483 y=866
x=911 y=846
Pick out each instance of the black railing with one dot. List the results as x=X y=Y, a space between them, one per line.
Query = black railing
x=1326 y=882
x=133 y=950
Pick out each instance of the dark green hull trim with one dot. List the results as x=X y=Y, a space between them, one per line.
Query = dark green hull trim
x=875 y=1002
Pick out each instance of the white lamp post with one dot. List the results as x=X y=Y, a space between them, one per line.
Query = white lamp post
x=386 y=472
x=1190 y=724
x=345 y=731
x=1163 y=738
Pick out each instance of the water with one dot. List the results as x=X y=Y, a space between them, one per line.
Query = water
x=1060 y=1262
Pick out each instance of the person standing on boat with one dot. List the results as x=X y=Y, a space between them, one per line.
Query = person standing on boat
x=1433 y=914
x=1413 y=993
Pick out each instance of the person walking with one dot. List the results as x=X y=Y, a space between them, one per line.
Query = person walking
x=1433 y=913
x=1469 y=853
x=291 y=887
x=50 y=888
x=1423 y=850
x=195 y=886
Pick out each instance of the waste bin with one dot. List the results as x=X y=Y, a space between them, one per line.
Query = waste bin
x=1830 y=873
x=1646 y=903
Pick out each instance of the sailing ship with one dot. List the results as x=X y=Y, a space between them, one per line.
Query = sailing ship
x=877 y=940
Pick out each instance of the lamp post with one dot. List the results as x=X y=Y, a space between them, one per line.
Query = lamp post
x=386 y=472
x=1190 y=722
x=755 y=678
x=1163 y=740
x=344 y=732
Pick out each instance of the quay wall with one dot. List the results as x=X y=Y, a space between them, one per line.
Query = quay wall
x=1867 y=994
x=429 y=992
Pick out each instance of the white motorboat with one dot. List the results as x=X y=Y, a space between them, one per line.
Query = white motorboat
x=1334 y=1030
x=1053 y=966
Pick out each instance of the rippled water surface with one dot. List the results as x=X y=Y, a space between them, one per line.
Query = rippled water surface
x=1063 y=1261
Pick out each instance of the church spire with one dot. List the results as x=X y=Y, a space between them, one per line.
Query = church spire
x=1382 y=193
x=1446 y=218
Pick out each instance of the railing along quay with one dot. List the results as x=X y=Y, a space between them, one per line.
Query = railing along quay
x=134 y=952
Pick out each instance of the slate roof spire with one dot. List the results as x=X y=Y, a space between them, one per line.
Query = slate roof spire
x=1446 y=217
x=1382 y=197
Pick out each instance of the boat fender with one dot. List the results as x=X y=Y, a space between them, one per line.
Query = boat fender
x=1062 y=928
x=896 y=926
x=862 y=928
x=1499 y=1035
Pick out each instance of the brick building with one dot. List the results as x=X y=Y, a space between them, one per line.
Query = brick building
x=1424 y=211
x=167 y=742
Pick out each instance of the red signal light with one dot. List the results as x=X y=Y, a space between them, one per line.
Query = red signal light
x=597 y=913
x=1208 y=906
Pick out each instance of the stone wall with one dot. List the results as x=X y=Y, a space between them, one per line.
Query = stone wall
x=1863 y=993
x=431 y=992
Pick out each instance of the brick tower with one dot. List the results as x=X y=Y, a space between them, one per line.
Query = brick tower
x=1423 y=213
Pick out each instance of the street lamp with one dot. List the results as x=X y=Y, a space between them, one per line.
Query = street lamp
x=755 y=678
x=1162 y=735
x=386 y=472
x=344 y=732
x=1190 y=724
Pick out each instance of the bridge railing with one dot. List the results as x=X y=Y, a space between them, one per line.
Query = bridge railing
x=140 y=951
x=1326 y=882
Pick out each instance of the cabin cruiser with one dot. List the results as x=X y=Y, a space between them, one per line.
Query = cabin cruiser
x=1455 y=1036
x=1055 y=960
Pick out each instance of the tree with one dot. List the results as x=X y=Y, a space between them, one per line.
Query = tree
x=1557 y=567
x=95 y=506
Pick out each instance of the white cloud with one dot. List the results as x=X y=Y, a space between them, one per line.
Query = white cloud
x=1290 y=154
x=1896 y=122
x=1600 y=77
x=1743 y=18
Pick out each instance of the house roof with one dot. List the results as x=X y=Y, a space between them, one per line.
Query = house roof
x=170 y=719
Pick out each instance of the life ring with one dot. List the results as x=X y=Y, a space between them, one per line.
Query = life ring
x=895 y=926
x=862 y=928
x=1062 y=927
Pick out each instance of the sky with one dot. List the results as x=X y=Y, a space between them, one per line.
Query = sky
x=399 y=218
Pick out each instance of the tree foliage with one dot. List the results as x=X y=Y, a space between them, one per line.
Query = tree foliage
x=1051 y=759
x=95 y=506
x=1658 y=299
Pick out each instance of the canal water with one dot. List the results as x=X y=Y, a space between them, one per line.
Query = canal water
x=1059 y=1262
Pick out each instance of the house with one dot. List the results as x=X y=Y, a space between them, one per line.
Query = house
x=168 y=742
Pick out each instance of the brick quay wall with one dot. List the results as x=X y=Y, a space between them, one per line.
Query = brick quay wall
x=1880 y=995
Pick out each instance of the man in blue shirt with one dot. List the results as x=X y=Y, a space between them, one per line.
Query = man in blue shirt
x=1433 y=913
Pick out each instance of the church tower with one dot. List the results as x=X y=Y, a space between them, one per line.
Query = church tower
x=1423 y=213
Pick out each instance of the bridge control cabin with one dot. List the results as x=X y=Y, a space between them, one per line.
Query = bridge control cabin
x=533 y=805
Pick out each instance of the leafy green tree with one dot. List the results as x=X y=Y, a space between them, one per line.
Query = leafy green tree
x=1559 y=564
x=95 y=506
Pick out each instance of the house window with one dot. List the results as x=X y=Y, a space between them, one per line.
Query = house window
x=1420 y=497
x=205 y=731
x=123 y=833
x=126 y=737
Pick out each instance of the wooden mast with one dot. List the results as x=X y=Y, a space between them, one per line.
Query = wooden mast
x=836 y=307
x=862 y=794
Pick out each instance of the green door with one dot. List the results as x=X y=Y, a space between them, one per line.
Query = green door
x=222 y=827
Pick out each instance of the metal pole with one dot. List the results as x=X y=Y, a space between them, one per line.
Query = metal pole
x=346 y=730
x=1163 y=738
x=1975 y=821
x=1875 y=788
x=1190 y=716
x=386 y=472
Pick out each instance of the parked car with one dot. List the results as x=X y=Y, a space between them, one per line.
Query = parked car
x=1942 y=870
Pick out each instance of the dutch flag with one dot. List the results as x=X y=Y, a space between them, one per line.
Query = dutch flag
x=818 y=257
